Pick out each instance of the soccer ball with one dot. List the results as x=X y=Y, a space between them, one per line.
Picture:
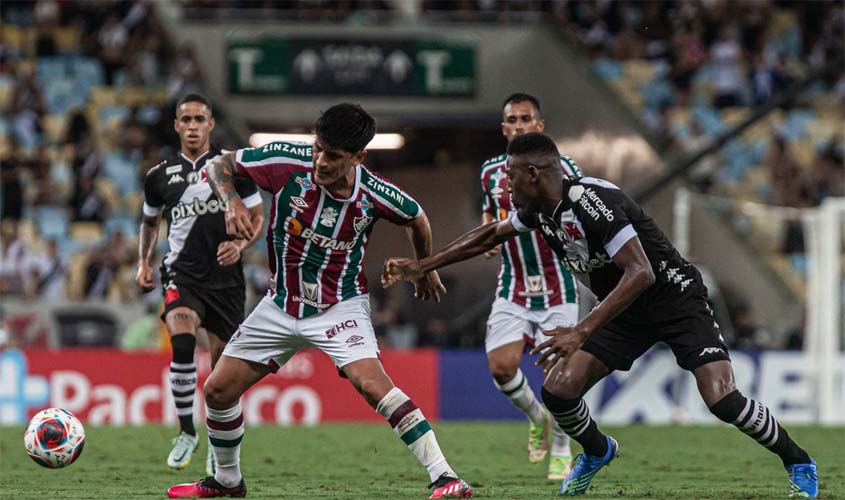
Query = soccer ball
x=54 y=438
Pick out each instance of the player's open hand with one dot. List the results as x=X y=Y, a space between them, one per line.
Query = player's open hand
x=228 y=253
x=429 y=287
x=489 y=254
x=144 y=278
x=400 y=269
x=238 y=220
x=563 y=344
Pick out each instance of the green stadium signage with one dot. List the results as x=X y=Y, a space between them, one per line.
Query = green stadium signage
x=317 y=66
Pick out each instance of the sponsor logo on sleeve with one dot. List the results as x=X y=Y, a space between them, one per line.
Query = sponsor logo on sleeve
x=594 y=206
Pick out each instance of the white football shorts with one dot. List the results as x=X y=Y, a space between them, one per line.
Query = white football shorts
x=270 y=336
x=509 y=322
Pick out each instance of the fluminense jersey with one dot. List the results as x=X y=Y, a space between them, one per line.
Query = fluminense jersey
x=591 y=224
x=530 y=274
x=195 y=220
x=316 y=242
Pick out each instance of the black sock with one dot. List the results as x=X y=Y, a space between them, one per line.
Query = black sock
x=574 y=419
x=183 y=379
x=757 y=421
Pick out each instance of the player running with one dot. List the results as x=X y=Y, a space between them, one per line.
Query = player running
x=325 y=204
x=201 y=275
x=535 y=292
x=647 y=292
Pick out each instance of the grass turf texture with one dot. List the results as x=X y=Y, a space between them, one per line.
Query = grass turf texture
x=368 y=461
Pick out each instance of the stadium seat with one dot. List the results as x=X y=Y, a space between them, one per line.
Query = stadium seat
x=608 y=69
x=85 y=232
x=51 y=68
x=54 y=127
x=67 y=39
x=52 y=222
x=121 y=224
x=58 y=95
x=7 y=86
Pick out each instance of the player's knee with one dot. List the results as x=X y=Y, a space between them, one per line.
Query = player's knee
x=216 y=395
x=503 y=371
x=566 y=384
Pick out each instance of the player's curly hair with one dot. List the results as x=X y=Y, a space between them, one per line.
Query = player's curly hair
x=533 y=144
x=346 y=126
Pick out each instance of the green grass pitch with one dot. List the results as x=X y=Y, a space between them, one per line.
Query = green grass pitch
x=367 y=461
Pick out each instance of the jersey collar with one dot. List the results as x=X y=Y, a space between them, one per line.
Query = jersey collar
x=355 y=189
x=194 y=162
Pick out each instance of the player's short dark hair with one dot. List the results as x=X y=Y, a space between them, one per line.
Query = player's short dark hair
x=520 y=97
x=533 y=144
x=195 y=97
x=346 y=126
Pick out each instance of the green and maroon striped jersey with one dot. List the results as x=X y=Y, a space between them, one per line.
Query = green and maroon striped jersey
x=530 y=275
x=316 y=242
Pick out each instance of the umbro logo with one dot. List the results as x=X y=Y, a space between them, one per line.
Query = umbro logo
x=298 y=204
x=354 y=338
x=710 y=350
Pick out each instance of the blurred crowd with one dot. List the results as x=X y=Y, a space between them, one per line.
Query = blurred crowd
x=87 y=91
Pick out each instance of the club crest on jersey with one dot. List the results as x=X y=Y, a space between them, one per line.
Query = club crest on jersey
x=174 y=179
x=328 y=217
x=361 y=223
x=534 y=287
x=193 y=177
x=496 y=177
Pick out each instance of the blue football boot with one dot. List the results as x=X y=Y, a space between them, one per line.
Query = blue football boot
x=586 y=466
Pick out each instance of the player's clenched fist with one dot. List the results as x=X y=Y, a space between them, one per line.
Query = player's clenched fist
x=238 y=220
x=144 y=278
x=400 y=269
x=564 y=342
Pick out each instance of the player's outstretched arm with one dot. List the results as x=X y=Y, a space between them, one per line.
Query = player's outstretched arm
x=472 y=243
x=147 y=238
x=221 y=172
x=637 y=275
x=419 y=232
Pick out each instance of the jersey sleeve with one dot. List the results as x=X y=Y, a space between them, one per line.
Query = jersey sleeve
x=486 y=199
x=602 y=213
x=524 y=221
x=570 y=168
x=271 y=165
x=153 y=199
x=248 y=191
x=392 y=203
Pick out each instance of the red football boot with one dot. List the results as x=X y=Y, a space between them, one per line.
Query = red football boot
x=450 y=487
x=206 y=488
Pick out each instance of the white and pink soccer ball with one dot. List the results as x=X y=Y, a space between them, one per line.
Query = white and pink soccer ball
x=54 y=438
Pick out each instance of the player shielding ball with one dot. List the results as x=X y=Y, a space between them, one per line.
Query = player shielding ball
x=325 y=205
x=647 y=291
x=535 y=291
x=201 y=274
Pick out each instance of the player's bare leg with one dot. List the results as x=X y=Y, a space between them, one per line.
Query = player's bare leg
x=408 y=422
x=503 y=362
x=215 y=347
x=228 y=381
x=563 y=393
x=182 y=324
x=716 y=384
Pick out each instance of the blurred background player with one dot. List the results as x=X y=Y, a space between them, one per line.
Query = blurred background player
x=201 y=275
x=647 y=293
x=325 y=206
x=535 y=292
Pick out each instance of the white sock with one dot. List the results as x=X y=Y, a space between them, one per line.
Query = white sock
x=225 y=431
x=411 y=426
x=521 y=395
x=560 y=442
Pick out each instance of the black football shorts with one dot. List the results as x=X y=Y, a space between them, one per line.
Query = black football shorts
x=692 y=334
x=220 y=311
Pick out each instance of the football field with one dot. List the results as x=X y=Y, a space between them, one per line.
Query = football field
x=367 y=461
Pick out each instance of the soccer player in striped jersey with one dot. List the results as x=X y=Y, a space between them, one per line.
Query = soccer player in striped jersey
x=325 y=203
x=535 y=292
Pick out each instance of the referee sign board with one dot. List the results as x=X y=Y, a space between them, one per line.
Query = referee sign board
x=319 y=66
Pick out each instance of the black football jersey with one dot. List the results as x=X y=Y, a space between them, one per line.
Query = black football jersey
x=593 y=221
x=195 y=218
